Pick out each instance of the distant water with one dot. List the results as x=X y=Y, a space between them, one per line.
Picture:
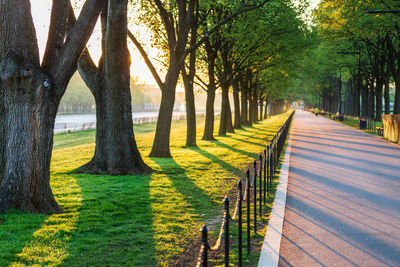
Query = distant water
x=78 y=122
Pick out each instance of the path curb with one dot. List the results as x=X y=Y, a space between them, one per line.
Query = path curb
x=269 y=255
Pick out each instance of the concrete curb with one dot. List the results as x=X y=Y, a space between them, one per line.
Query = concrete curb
x=272 y=242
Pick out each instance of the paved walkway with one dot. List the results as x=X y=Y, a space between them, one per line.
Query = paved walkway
x=343 y=199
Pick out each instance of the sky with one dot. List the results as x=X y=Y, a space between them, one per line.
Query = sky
x=41 y=17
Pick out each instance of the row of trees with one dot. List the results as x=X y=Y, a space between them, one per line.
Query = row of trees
x=357 y=60
x=248 y=47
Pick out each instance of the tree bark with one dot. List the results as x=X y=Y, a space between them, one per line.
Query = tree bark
x=229 y=123
x=163 y=130
x=236 y=103
x=211 y=88
x=395 y=69
x=224 y=111
x=29 y=99
x=243 y=98
x=387 y=93
x=190 y=109
x=379 y=89
x=116 y=150
x=209 y=123
x=266 y=109
x=177 y=33
x=188 y=81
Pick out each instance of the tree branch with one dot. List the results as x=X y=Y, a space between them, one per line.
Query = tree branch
x=88 y=71
x=57 y=31
x=149 y=64
x=169 y=27
x=224 y=21
x=74 y=45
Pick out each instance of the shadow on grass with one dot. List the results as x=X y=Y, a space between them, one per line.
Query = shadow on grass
x=195 y=196
x=16 y=231
x=250 y=136
x=215 y=159
x=236 y=150
x=114 y=225
x=247 y=141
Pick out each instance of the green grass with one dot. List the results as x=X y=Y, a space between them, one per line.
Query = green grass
x=151 y=220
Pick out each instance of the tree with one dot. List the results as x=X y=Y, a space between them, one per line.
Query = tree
x=176 y=18
x=30 y=96
x=116 y=150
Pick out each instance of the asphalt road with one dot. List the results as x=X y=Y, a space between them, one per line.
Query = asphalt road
x=343 y=202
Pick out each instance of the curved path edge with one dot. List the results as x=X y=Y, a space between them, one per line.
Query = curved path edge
x=269 y=255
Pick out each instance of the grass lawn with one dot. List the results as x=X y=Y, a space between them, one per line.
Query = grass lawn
x=151 y=220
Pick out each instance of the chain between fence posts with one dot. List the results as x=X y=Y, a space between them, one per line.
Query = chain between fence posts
x=260 y=185
x=227 y=217
x=248 y=209
x=240 y=196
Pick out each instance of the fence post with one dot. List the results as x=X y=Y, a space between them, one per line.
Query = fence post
x=255 y=195
x=271 y=165
x=260 y=186
x=265 y=175
x=204 y=231
x=276 y=156
x=240 y=184
x=227 y=217
x=248 y=209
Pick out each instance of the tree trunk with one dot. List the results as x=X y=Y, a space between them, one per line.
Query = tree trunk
x=224 y=111
x=163 y=131
x=236 y=103
x=379 y=88
x=364 y=98
x=251 y=106
x=211 y=88
x=266 y=110
x=261 y=108
x=229 y=123
x=190 y=114
x=29 y=98
x=27 y=123
x=396 y=107
x=209 y=123
x=243 y=99
x=395 y=69
x=387 y=93
x=255 y=105
x=188 y=81
x=116 y=151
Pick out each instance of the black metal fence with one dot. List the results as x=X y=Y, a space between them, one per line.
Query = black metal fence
x=267 y=167
x=373 y=128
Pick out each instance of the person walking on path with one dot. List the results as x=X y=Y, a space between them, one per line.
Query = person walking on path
x=316 y=111
x=343 y=197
